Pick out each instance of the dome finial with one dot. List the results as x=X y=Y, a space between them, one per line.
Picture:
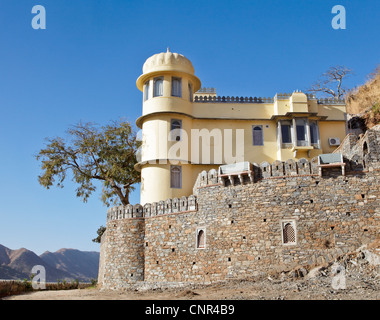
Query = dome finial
x=167 y=50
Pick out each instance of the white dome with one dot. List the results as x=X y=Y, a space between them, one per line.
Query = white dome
x=168 y=61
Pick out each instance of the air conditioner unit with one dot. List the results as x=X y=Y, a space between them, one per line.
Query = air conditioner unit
x=334 y=141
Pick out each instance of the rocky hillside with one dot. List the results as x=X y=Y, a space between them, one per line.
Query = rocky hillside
x=65 y=264
x=364 y=102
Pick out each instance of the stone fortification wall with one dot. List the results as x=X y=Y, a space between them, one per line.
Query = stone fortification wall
x=122 y=253
x=289 y=216
x=363 y=149
x=244 y=228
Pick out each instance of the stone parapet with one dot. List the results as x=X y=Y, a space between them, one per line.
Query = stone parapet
x=175 y=205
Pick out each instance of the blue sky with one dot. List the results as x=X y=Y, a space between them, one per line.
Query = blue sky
x=84 y=66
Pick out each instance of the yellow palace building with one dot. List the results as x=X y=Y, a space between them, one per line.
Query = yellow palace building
x=187 y=129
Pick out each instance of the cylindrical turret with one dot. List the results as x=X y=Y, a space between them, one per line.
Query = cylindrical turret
x=168 y=84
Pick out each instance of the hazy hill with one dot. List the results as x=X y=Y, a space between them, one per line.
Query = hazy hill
x=80 y=264
x=65 y=264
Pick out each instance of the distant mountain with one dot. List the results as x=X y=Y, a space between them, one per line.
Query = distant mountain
x=65 y=264
x=8 y=273
x=80 y=264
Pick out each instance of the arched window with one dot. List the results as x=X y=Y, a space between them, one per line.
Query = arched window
x=176 y=177
x=175 y=129
x=200 y=239
x=257 y=135
x=158 y=87
x=288 y=233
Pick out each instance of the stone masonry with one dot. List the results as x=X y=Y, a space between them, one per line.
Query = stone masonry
x=289 y=216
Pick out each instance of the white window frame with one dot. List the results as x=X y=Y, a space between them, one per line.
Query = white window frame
x=146 y=90
x=318 y=143
x=286 y=122
x=155 y=93
x=172 y=167
x=293 y=224
x=306 y=142
x=179 y=95
x=262 y=135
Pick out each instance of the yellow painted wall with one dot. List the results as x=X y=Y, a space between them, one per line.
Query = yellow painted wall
x=232 y=110
x=331 y=129
x=333 y=112
x=158 y=112
x=155 y=183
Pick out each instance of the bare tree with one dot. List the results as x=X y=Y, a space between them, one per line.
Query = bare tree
x=330 y=82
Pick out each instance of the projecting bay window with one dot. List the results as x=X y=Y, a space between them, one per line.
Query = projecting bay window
x=298 y=132
x=314 y=134
x=301 y=132
x=286 y=132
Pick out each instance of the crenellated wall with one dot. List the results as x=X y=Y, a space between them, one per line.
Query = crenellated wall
x=174 y=205
x=279 y=96
x=243 y=222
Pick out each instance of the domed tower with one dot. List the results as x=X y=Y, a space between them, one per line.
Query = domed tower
x=168 y=83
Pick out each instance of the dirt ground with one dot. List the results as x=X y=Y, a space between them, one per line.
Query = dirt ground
x=354 y=276
x=231 y=290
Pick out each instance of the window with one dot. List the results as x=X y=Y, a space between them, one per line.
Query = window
x=201 y=239
x=257 y=135
x=314 y=136
x=175 y=129
x=190 y=92
x=286 y=132
x=158 y=87
x=288 y=232
x=146 y=91
x=176 y=177
x=301 y=132
x=176 y=87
